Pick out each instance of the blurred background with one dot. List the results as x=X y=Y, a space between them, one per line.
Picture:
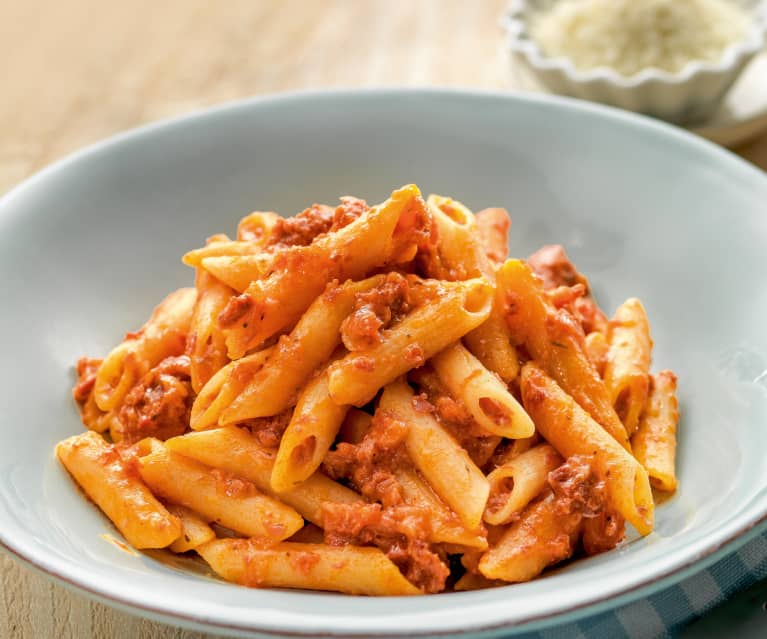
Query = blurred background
x=77 y=71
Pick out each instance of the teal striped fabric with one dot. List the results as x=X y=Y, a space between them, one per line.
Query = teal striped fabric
x=664 y=614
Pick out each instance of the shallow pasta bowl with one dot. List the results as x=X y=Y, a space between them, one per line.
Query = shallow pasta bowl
x=642 y=208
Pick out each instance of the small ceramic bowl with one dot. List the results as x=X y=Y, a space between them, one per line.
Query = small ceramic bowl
x=688 y=96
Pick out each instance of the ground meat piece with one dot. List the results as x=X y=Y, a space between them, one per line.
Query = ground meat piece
x=603 y=532
x=159 y=405
x=86 y=378
x=552 y=265
x=348 y=211
x=400 y=531
x=375 y=310
x=578 y=490
x=369 y=466
x=301 y=229
x=268 y=430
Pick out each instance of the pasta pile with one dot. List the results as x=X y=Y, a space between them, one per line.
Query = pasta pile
x=377 y=401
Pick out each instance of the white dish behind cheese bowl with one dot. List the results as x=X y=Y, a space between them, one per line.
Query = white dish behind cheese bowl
x=643 y=209
x=688 y=96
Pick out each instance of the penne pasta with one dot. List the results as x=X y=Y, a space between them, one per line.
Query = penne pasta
x=438 y=457
x=236 y=451
x=238 y=271
x=221 y=389
x=654 y=442
x=220 y=248
x=357 y=377
x=517 y=482
x=541 y=537
x=205 y=343
x=309 y=435
x=354 y=426
x=296 y=356
x=493 y=225
x=596 y=349
x=383 y=235
x=227 y=500
x=296 y=454
x=100 y=471
x=164 y=335
x=460 y=255
x=569 y=429
x=484 y=395
x=627 y=366
x=194 y=529
x=556 y=342
x=257 y=226
x=349 y=569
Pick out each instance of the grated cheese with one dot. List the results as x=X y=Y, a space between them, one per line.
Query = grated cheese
x=631 y=35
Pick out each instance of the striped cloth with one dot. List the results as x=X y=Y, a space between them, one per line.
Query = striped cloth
x=665 y=614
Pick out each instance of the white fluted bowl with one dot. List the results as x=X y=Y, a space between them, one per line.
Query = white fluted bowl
x=688 y=96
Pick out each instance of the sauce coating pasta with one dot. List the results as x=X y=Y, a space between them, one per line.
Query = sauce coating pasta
x=376 y=400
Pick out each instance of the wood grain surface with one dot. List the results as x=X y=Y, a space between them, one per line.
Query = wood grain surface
x=77 y=71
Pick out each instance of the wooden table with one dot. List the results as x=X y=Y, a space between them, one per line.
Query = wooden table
x=77 y=71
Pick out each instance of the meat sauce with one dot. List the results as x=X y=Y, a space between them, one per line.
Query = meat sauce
x=579 y=492
x=401 y=531
x=451 y=413
x=159 y=404
x=552 y=265
x=304 y=228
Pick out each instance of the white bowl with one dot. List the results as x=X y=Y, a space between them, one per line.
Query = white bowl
x=688 y=96
x=89 y=245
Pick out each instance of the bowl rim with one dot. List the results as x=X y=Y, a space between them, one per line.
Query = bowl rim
x=732 y=59
x=695 y=556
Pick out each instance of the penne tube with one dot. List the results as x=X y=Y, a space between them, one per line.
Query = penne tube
x=221 y=389
x=238 y=271
x=438 y=457
x=446 y=525
x=386 y=234
x=205 y=344
x=257 y=226
x=236 y=451
x=491 y=344
x=462 y=306
x=194 y=529
x=493 y=225
x=627 y=367
x=541 y=537
x=226 y=500
x=100 y=471
x=296 y=356
x=488 y=400
x=220 y=248
x=514 y=448
x=164 y=335
x=309 y=435
x=654 y=442
x=555 y=340
x=352 y=570
x=355 y=425
x=458 y=255
x=515 y=484
x=596 y=349
x=569 y=429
